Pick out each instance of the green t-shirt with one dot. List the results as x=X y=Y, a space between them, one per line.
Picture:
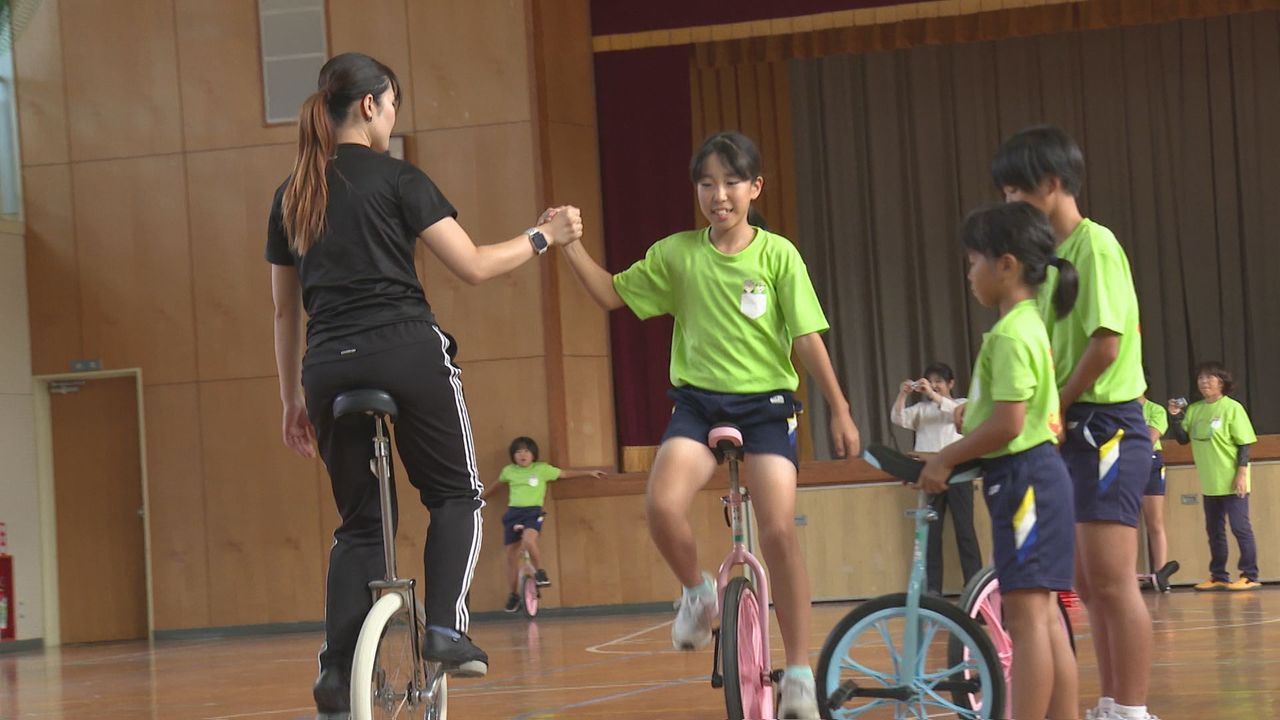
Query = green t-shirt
x=1015 y=364
x=1157 y=418
x=1107 y=300
x=1216 y=430
x=528 y=484
x=735 y=315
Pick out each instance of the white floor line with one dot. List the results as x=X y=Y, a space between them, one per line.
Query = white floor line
x=599 y=649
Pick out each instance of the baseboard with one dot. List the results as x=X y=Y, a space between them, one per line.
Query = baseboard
x=19 y=646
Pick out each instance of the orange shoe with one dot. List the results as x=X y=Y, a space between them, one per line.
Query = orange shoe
x=1244 y=584
x=1213 y=585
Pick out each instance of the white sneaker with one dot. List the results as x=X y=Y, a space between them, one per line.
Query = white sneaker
x=695 y=612
x=1094 y=713
x=799 y=699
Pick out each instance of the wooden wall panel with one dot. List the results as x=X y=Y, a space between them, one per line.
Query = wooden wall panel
x=175 y=486
x=378 y=28
x=42 y=107
x=135 y=271
x=575 y=180
x=231 y=280
x=470 y=63
x=589 y=404
x=609 y=559
x=260 y=507
x=565 y=34
x=488 y=175
x=122 y=78
x=221 y=76
x=53 y=272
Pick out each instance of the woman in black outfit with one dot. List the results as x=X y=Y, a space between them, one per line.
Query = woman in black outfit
x=341 y=242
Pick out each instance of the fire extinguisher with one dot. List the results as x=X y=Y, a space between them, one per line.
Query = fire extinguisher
x=7 y=601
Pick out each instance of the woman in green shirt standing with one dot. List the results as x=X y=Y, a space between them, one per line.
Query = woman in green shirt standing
x=1220 y=434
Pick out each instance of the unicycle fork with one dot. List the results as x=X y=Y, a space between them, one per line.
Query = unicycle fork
x=741 y=660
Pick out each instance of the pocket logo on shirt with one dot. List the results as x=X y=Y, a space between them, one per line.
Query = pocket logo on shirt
x=755 y=299
x=533 y=482
x=1216 y=423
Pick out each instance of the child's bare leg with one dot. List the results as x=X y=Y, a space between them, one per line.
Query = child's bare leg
x=1026 y=616
x=1110 y=551
x=680 y=470
x=530 y=540
x=772 y=482
x=513 y=564
x=1153 y=513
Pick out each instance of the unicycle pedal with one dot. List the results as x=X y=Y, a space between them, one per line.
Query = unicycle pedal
x=717 y=677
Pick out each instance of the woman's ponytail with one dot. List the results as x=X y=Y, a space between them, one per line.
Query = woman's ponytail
x=306 y=199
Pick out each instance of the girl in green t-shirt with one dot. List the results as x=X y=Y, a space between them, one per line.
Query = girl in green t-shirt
x=742 y=302
x=1220 y=434
x=1011 y=421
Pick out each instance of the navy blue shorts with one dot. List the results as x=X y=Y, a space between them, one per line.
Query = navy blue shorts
x=1033 y=528
x=767 y=420
x=530 y=517
x=1155 y=483
x=1108 y=453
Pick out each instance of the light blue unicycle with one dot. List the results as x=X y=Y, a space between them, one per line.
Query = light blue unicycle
x=889 y=657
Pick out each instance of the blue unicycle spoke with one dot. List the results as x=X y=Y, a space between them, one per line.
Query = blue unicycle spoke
x=882 y=678
x=883 y=629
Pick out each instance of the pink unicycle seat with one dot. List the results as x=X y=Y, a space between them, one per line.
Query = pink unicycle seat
x=722 y=433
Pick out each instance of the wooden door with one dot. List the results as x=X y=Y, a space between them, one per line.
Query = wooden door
x=98 y=496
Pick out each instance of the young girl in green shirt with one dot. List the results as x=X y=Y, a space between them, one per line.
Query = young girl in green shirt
x=742 y=302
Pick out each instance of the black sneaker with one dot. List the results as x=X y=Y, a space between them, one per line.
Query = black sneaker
x=456 y=653
x=332 y=693
x=541 y=578
x=513 y=603
x=1164 y=573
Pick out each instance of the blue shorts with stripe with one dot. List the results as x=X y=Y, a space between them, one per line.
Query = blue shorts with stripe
x=1155 y=482
x=1032 y=524
x=1108 y=453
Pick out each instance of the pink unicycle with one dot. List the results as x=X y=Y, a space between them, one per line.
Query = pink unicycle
x=741 y=664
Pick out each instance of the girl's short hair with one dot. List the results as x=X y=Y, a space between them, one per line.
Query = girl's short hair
x=734 y=149
x=523 y=443
x=1033 y=154
x=1218 y=370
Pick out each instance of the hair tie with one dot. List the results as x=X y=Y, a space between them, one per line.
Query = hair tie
x=1056 y=262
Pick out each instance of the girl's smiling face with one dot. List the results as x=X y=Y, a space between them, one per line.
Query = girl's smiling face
x=723 y=196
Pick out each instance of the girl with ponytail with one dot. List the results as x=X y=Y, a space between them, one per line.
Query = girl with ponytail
x=341 y=238
x=1012 y=423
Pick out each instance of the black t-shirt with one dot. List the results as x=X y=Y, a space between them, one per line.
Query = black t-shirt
x=360 y=275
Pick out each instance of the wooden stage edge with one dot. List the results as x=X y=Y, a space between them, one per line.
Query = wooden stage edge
x=828 y=473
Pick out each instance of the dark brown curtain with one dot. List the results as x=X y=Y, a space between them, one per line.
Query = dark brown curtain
x=1178 y=124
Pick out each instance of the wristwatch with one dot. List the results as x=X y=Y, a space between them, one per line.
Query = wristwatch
x=537 y=239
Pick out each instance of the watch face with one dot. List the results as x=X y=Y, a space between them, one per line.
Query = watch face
x=539 y=241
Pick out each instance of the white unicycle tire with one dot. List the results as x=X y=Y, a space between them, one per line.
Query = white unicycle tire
x=365 y=661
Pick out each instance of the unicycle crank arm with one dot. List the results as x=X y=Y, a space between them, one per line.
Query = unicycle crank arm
x=849 y=690
x=717 y=677
x=969 y=687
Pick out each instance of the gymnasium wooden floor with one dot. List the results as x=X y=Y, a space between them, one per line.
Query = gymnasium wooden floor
x=1217 y=656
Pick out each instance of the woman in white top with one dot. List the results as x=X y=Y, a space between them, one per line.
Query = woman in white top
x=933 y=420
